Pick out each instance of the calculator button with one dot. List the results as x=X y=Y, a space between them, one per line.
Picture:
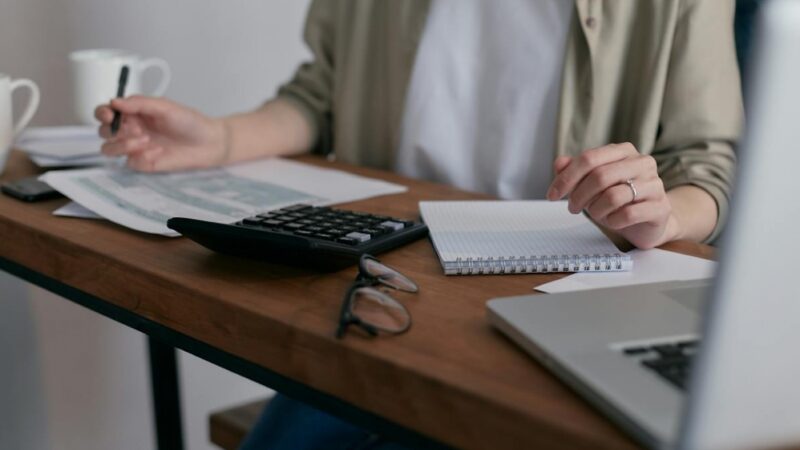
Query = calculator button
x=325 y=236
x=293 y=226
x=374 y=231
x=271 y=222
x=393 y=225
x=252 y=221
x=335 y=231
x=348 y=241
x=360 y=237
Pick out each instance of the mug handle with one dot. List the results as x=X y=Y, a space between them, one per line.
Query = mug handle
x=33 y=103
x=166 y=73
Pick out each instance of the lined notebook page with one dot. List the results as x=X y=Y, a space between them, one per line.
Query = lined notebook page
x=511 y=230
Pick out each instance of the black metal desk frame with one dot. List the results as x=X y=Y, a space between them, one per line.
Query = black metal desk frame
x=162 y=342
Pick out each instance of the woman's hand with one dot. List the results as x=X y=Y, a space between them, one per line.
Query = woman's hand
x=596 y=181
x=157 y=134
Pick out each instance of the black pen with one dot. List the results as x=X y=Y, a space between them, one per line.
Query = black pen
x=123 y=81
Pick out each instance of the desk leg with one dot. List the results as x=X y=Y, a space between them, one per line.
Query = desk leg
x=166 y=395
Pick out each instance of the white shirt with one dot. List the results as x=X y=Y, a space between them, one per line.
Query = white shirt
x=482 y=102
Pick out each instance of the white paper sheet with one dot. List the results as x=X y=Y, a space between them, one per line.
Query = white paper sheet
x=62 y=143
x=76 y=210
x=649 y=266
x=145 y=202
x=83 y=161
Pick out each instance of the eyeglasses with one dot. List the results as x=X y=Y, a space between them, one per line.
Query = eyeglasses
x=371 y=309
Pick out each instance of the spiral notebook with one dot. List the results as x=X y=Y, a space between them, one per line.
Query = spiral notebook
x=489 y=237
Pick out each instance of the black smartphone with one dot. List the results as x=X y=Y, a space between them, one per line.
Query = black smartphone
x=29 y=190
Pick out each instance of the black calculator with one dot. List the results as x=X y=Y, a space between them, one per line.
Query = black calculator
x=316 y=236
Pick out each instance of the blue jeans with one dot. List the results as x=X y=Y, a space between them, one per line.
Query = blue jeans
x=292 y=425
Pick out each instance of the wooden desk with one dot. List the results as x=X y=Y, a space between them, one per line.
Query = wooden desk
x=451 y=379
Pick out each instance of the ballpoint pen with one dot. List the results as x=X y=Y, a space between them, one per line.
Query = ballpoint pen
x=123 y=81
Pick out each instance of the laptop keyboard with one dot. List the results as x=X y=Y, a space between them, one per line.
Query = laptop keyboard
x=671 y=361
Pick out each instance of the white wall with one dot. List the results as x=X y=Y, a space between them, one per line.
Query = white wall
x=71 y=379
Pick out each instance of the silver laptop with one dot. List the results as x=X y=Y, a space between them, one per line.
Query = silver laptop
x=629 y=350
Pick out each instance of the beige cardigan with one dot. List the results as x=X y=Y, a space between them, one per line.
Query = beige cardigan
x=661 y=74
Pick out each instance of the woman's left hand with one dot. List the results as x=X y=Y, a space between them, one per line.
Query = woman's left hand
x=597 y=182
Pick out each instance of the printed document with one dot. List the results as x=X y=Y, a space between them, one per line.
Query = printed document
x=75 y=210
x=145 y=202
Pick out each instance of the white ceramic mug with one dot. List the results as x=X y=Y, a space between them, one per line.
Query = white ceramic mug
x=95 y=74
x=8 y=128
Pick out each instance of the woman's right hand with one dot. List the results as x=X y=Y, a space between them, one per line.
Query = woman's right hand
x=157 y=135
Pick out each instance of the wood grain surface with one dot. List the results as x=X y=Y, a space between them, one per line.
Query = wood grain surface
x=451 y=377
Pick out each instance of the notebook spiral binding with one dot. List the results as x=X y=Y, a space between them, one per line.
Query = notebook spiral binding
x=534 y=264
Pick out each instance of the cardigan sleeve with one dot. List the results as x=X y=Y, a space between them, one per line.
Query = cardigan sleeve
x=702 y=113
x=310 y=88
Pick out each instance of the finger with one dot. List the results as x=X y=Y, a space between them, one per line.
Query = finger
x=640 y=168
x=561 y=163
x=621 y=195
x=104 y=114
x=131 y=127
x=104 y=131
x=636 y=213
x=117 y=147
x=139 y=104
x=566 y=181
x=145 y=161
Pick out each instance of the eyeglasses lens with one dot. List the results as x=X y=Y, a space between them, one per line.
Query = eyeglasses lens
x=379 y=310
x=389 y=276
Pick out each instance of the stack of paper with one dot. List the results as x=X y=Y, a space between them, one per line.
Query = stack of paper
x=63 y=146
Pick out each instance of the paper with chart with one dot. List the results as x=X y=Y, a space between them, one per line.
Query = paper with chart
x=75 y=210
x=145 y=202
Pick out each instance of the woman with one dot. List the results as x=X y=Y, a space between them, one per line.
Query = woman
x=629 y=110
